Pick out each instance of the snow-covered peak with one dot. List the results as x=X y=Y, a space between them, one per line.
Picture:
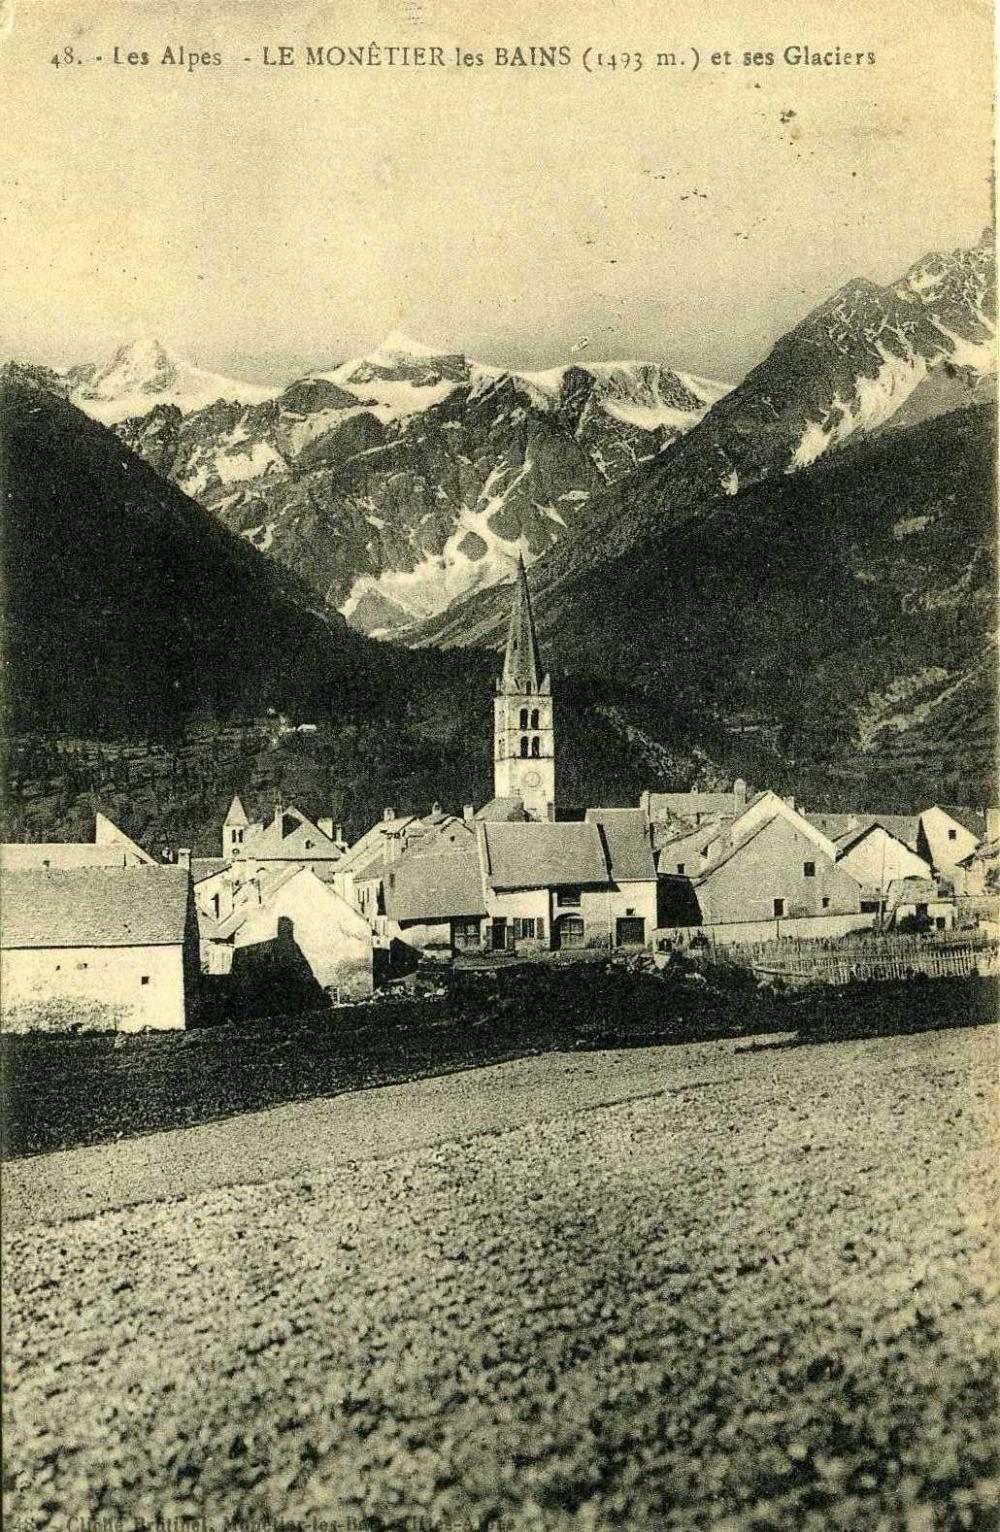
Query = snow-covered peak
x=143 y=373
x=397 y=344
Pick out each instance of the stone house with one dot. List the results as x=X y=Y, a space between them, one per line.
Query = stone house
x=776 y=871
x=289 y=837
x=99 y=948
x=111 y=847
x=288 y=939
x=874 y=858
x=948 y=834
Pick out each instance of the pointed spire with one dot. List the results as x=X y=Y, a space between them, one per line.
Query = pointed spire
x=237 y=813
x=520 y=666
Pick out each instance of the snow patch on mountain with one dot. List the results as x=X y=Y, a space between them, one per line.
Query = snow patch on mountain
x=143 y=373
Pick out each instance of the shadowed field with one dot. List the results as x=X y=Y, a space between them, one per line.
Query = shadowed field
x=62 y=1091
x=769 y=1302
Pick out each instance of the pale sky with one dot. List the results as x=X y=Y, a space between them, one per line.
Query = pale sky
x=262 y=221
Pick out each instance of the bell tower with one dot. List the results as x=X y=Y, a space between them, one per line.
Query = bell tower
x=524 y=748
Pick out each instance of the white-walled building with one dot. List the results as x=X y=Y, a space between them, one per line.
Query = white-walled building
x=97 y=948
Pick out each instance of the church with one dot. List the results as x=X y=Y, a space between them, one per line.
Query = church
x=525 y=880
x=524 y=747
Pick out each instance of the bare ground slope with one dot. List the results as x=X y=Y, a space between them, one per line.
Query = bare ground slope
x=762 y=1303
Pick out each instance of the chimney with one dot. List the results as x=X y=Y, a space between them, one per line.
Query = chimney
x=739 y=795
x=435 y=807
x=277 y=811
x=388 y=813
x=338 y=835
x=790 y=800
x=184 y=857
x=468 y=812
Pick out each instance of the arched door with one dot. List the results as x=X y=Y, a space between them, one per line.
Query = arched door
x=569 y=931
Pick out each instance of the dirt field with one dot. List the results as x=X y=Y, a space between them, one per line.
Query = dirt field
x=763 y=1302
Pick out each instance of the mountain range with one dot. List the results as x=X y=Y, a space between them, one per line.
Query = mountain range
x=790 y=580
x=398 y=480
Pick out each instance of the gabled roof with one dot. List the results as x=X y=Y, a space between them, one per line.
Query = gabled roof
x=970 y=819
x=435 y=885
x=508 y=810
x=372 y=840
x=989 y=851
x=94 y=907
x=626 y=839
x=293 y=837
x=107 y=833
x=837 y=827
x=521 y=670
x=544 y=855
x=850 y=838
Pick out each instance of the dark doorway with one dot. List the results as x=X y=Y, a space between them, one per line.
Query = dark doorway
x=630 y=931
x=568 y=931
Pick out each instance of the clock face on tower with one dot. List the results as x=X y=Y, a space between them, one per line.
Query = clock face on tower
x=531 y=779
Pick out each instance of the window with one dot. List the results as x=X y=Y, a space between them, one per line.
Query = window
x=567 y=895
x=681 y=866
x=952 y=834
x=524 y=929
x=309 y=845
x=534 y=718
x=940 y=922
x=81 y=965
x=808 y=869
x=534 y=745
x=465 y=933
x=524 y=745
x=826 y=904
x=144 y=979
x=779 y=908
x=524 y=718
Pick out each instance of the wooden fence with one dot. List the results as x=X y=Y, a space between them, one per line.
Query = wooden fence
x=865 y=961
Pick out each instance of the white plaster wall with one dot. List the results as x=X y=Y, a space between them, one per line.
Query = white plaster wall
x=945 y=853
x=335 y=939
x=879 y=858
x=99 y=988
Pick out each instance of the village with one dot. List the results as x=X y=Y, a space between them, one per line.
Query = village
x=289 y=916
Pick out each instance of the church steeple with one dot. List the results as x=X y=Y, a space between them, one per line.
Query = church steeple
x=524 y=764
x=520 y=666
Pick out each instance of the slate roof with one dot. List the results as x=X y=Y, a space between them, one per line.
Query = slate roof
x=685 y=805
x=626 y=838
x=94 y=907
x=502 y=810
x=237 y=814
x=22 y=855
x=293 y=837
x=544 y=855
x=846 y=827
x=203 y=867
x=436 y=885
x=970 y=819
x=521 y=670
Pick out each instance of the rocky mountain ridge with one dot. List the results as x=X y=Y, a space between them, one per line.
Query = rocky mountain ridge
x=401 y=479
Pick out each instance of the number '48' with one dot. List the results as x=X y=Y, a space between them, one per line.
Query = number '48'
x=65 y=57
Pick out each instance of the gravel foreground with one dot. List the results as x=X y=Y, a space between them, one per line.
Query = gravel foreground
x=770 y=1302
